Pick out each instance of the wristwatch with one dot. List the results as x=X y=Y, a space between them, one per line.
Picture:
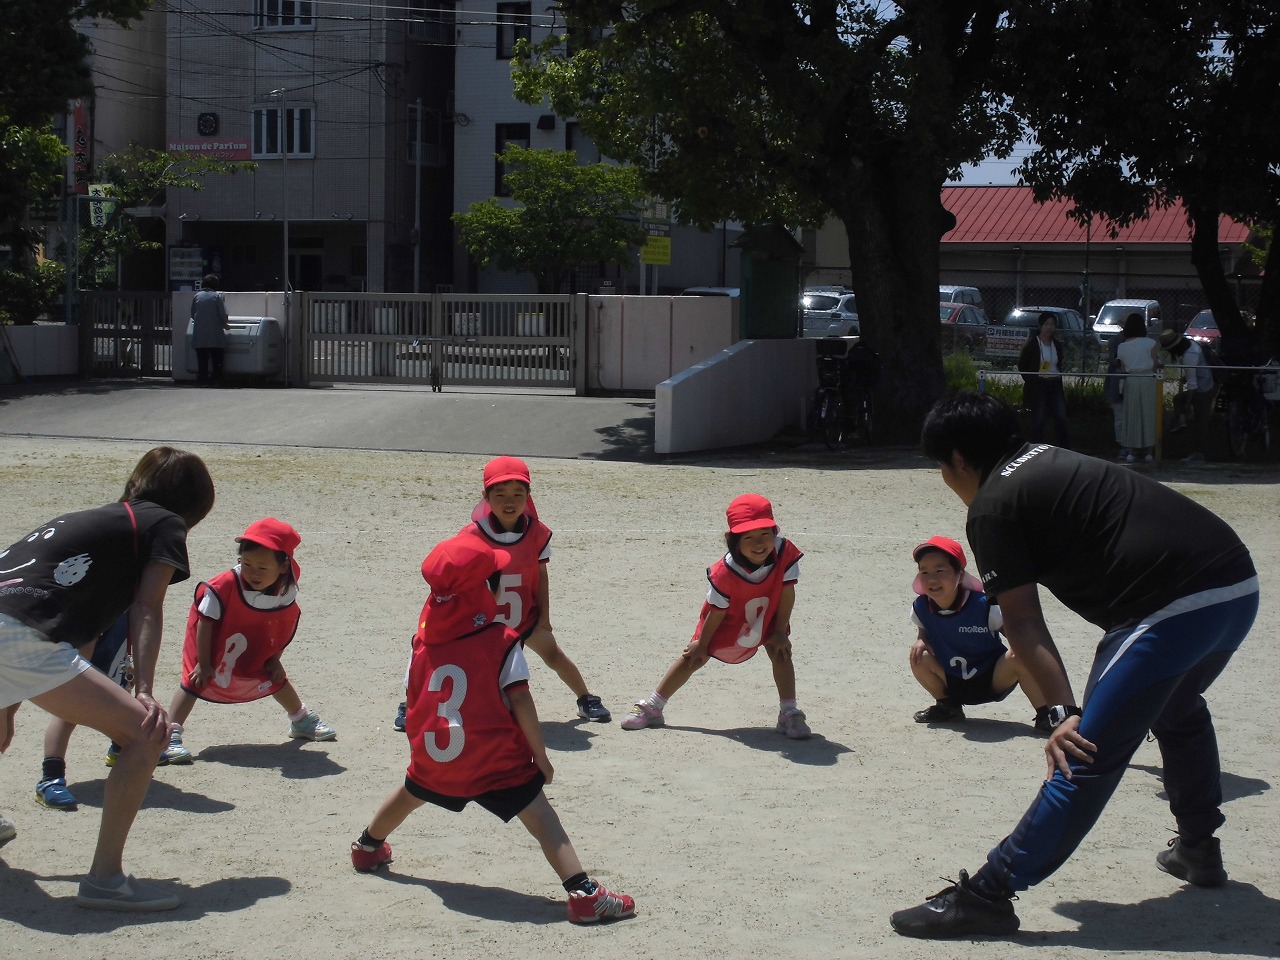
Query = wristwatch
x=1059 y=713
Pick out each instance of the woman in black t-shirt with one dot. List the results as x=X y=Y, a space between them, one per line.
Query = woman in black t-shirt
x=60 y=587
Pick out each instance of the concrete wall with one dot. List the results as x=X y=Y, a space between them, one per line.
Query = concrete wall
x=745 y=394
x=635 y=343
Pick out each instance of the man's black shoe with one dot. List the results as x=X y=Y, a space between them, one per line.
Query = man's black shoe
x=957 y=911
x=1200 y=865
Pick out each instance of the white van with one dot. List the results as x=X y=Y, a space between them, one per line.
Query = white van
x=1110 y=319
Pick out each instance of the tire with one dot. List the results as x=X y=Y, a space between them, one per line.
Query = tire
x=832 y=420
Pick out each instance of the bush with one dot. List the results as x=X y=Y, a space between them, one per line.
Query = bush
x=29 y=292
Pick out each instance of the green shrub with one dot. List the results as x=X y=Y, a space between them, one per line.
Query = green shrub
x=960 y=371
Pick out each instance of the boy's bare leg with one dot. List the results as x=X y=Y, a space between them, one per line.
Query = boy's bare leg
x=540 y=819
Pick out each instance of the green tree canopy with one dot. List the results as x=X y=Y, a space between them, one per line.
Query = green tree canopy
x=1186 y=114
x=565 y=216
x=760 y=110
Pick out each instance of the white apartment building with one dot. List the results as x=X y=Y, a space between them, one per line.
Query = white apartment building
x=323 y=97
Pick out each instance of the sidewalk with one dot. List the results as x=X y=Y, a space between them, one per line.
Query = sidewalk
x=460 y=420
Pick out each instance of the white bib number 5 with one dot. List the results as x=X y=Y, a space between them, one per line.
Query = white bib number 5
x=454 y=737
x=509 y=597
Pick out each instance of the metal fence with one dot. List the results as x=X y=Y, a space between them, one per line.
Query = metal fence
x=440 y=338
x=125 y=334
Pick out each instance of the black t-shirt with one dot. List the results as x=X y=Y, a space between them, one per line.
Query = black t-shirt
x=1109 y=543
x=72 y=577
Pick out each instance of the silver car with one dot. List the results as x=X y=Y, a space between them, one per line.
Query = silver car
x=830 y=315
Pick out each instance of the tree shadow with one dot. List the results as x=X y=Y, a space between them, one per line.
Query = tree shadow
x=296 y=760
x=1234 y=787
x=28 y=904
x=632 y=438
x=817 y=751
x=1234 y=919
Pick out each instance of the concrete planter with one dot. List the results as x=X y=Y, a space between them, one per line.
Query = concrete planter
x=45 y=350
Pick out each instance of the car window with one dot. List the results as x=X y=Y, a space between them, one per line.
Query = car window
x=968 y=315
x=1203 y=321
x=944 y=312
x=820 y=302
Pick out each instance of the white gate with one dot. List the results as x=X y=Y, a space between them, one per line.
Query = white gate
x=441 y=339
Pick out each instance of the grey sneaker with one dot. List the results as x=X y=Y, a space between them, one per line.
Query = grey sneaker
x=1200 y=865
x=311 y=727
x=7 y=830
x=127 y=895
x=175 y=754
x=957 y=911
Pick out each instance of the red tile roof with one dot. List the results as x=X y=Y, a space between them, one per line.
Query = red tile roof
x=1011 y=215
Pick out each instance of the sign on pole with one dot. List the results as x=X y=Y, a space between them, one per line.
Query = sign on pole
x=100 y=209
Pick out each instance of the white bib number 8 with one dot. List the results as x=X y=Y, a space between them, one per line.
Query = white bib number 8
x=753 y=630
x=454 y=737
x=235 y=646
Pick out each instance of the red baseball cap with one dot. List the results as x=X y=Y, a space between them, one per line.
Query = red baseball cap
x=952 y=549
x=273 y=534
x=501 y=469
x=461 y=564
x=750 y=512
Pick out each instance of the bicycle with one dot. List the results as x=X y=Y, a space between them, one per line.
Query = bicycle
x=1249 y=398
x=842 y=407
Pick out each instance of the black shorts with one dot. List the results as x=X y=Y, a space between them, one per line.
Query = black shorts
x=975 y=690
x=110 y=654
x=503 y=804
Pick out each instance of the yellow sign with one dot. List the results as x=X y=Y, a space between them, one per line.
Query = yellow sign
x=656 y=252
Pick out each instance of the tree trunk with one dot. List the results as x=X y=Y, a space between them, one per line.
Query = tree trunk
x=1213 y=278
x=894 y=223
x=1268 y=322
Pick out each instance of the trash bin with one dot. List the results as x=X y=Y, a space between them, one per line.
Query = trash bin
x=255 y=346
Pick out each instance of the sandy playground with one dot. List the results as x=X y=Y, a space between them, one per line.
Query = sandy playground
x=734 y=841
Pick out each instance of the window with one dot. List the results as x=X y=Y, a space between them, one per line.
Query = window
x=504 y=133
x=579 y=142
x=430 y=21
x=299 y=132
x=283 y=14
x=513 y=25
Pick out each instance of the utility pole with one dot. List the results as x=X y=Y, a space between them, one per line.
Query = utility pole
x=417 y=197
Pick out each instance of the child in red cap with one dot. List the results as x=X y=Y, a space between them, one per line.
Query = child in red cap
x=748 y=606
x=473 y=727
x=239 y=624
x=958 y=655
x=506 y=519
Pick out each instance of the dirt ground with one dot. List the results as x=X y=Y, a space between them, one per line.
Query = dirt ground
x=734 y=841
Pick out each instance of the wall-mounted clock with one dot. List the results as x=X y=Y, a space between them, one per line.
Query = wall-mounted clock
x=207 y=124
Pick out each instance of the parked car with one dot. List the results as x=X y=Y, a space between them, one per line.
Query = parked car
x=1110 y=319
x=964 y=325
x=1081 y=343
x=950 y=293
x=1204 y=328
x=830 y=315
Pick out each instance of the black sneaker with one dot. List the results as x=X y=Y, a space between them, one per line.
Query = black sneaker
x=1042 y=722
x=590 y=708
x=398 y=723
x=1200 y=865
x=956 y=911
x=939 y=713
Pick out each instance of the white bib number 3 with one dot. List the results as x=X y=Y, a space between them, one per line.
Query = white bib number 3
x=454 y=738
x=753 y=630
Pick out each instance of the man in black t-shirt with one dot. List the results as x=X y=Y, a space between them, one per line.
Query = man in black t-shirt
x=1174 y=591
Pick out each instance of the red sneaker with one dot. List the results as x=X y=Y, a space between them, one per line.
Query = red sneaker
x=601 y=905
x=367 y=861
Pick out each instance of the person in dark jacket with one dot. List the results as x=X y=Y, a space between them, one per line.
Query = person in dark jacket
x=1040 y=363
x=209 y=331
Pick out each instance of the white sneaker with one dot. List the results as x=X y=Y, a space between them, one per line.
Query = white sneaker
x=642 y=715
x=792 y=722
x=7 y=830
x=311 y=727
